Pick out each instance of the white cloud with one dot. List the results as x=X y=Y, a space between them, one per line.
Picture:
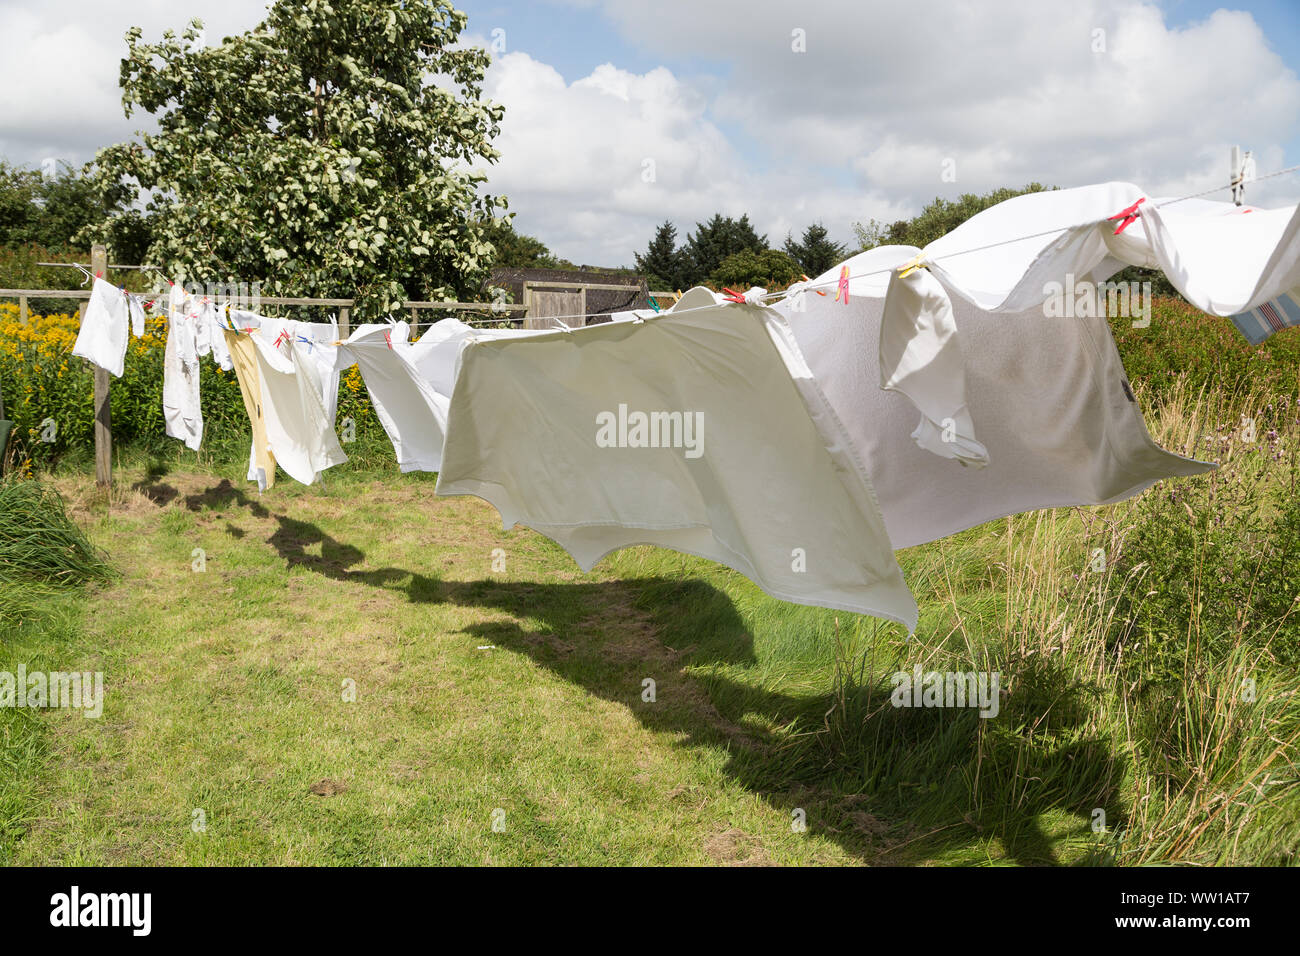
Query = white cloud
x=592 y=166
x=859 y=126
x=59 y=95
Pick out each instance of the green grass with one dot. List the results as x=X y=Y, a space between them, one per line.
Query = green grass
x=521 y=690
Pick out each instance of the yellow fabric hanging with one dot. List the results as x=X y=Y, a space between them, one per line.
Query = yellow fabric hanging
x=250 y=387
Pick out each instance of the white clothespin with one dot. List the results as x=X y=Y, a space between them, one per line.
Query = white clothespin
x=1243 y=171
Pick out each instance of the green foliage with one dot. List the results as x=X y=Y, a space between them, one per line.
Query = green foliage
x=1218 y=557
x=49 y=211
x=769 y=268
x=938 y=218
x=815 y=252
x=664 y=265
x=714 y=241
x=517 y=251
x=1207 y=352
x=314 y=154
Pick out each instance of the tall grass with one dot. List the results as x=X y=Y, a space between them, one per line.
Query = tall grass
x=39 y=542
x=1154 y=693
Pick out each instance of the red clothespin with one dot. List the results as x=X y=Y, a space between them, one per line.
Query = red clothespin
x=733 y=296
x=99 y=275
x=818 y=291
x=282 y=337
x=1129 y=214
x=388 y=337
x=843 y=287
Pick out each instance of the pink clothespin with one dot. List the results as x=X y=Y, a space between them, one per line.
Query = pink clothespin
x=388 y=337
x=1129 y=214
x=843 y=287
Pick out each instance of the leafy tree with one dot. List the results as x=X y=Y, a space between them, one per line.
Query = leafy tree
x=815 y=251
x=939 y=217
x=713 y=241
x=768 y=268
x=517 y=251
x=322 y=153
x=664 y=265
x=49 y=211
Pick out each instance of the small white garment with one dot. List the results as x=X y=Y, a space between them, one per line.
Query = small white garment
x=136 y=307
x=413 y=414
x=182 y=412
x=573 y=434
x=103 y=333
x=298 y=432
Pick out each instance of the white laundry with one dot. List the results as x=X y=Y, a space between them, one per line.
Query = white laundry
x=1224 y=259
x=412 y=413
x=769 y=487
x=136 y=308
x=103 y=333
x=182 y=411
x=298 y=432
x=1048 y=398
x=316 y=355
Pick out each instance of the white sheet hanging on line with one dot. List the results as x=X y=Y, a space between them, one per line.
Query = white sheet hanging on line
x=701 y=431
x=104 y=328
x=413 y=415
x=1224 y=259
x=182 y=411
x=1048 y=397
x=317 y=358
x=297 y=429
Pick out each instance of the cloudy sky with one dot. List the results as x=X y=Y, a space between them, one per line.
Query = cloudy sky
x=623 y=113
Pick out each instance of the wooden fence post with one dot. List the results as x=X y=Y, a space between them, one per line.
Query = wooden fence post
x=103 y=418
x=345 y=326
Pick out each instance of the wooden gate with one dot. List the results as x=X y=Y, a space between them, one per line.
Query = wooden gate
x=542 y=304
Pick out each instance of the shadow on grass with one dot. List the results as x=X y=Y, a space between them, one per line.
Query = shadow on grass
x=889 y=784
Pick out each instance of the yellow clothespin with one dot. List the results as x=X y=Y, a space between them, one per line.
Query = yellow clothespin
x=907 y=268
x=677 y=296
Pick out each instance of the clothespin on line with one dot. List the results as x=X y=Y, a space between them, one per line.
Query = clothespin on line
x=842 y=287
x=818 y=291
x=1129 y=215
x=911 y=265
x=1242 y=170
x=732 y=295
